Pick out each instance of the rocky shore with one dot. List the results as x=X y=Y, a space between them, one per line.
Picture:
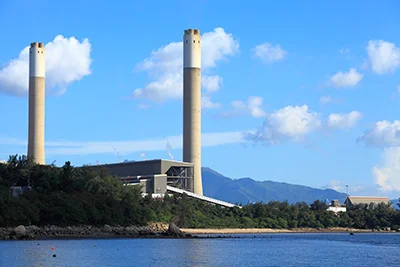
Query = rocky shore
x=55 y=232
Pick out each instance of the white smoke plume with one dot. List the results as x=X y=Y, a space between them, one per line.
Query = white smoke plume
x=169 y=149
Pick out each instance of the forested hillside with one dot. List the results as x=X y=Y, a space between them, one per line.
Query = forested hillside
x=80 y=196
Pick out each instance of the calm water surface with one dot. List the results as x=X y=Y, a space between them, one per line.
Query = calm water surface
x=260 y=250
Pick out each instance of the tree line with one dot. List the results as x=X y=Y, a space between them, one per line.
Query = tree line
x=67 y=195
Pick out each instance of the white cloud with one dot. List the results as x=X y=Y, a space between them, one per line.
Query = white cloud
x=166 y=86
x=323 y=100
x=340 y=186
x=383 y=56
x=143 y=106
x=344 y=120
x=344 y=51
x=211 y=83
x=383 y=133
x=207 y=103
x=252 y=106
x=360 y=188
x=238 y=105
x=269 y=53
x=345 y=79
x=67 y=60
x=387 y=175
x=216 y=45
x=336 y=185
x=165 y=64
x=288 y=123
x=129 y=146
x=11 y=141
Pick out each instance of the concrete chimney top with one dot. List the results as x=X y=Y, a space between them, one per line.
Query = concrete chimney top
x=36 y=44
x=192 y=31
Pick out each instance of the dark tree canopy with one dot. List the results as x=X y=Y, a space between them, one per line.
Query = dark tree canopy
x=85 y=196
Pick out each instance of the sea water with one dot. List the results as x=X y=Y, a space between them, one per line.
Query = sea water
x=249 y=250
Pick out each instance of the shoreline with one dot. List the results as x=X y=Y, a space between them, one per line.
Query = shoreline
x=158 y=231
x=199 y=231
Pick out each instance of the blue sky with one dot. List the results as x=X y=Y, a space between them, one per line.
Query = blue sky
x=288 y=87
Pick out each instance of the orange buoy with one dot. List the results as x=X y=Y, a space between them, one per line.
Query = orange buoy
x=52 y=248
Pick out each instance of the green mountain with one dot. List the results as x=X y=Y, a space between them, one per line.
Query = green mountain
x=246 y=190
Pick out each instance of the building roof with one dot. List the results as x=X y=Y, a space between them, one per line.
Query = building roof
x=150 y=161
x=354 y=200
x=146 y=167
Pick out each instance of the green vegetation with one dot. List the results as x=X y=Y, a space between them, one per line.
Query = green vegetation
x=67 y=196
x=86 y=196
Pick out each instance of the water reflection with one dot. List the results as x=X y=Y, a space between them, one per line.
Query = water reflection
x=181 y=252
x=25 y=253
x=198 y=252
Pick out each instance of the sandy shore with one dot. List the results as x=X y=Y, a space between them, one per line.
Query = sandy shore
x=269 y=230
x=153 y=230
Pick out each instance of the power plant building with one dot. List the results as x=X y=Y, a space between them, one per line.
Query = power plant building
x=36 y=103
x=156 y=176
x=352 y=201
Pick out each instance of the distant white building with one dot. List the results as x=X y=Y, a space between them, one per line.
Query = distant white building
x=336 y=207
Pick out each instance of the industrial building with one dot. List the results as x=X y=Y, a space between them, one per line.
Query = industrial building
x=191 y=116
x=352 y=201
x=156 y=176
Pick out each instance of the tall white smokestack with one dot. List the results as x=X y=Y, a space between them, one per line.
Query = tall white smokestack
x=36 y=103
x=192 y=104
